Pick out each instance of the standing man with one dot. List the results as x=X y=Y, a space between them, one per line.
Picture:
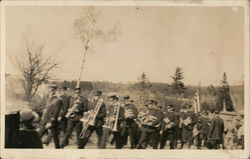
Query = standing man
x=205 y=122
x=129 y=126
x=216 y=131
x=114 y=114
x=65 y=105
x=168 y=127
x=50 y=115
x=78 y=105
x=188 y=121
x=150 y=124
x=99 y=120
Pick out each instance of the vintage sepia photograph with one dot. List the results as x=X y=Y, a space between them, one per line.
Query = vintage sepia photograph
x=125 y=77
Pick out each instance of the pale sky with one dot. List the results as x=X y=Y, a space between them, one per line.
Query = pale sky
x=204 y=41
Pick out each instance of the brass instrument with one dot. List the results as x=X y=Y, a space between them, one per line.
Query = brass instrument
x=186 y=122
x=70 y=112
x=113 y=125
x=146 y=119
x=168 y=123
x=90 y=120
x=128 y=113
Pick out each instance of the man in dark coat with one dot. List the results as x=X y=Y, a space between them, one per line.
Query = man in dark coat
x=65 y=105
x=216 y=131
x=129 y=125
x=78 y=105
x=188 y=120
x=99 y=120
x=111 y=118
x=50 y=116
x=150 y=125
x=28 y=137
x=168 y=127
x=205 y=122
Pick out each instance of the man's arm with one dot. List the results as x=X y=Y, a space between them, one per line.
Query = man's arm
x=102 y=112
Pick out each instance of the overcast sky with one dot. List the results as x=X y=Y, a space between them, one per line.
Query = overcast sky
x=204 y=41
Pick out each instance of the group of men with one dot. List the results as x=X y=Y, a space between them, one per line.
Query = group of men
x=118 y=119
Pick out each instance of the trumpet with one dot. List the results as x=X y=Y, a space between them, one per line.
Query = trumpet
x=90 y=120
x=113 y=125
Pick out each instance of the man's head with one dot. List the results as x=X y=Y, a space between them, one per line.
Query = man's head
x=96 y=95
x=112 y=97
x=77 y=92
x=185 y=109
x=152 y=104
x=189 y=107
x=52 y=89
x=126 y=99
x=170 y=108
x=216 y=111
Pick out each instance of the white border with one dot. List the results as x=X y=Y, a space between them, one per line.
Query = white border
x=73 y=153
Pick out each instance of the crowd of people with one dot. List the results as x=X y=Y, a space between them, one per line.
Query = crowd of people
x=119 y=122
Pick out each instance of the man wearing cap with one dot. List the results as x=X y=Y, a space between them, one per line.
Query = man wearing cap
x=168 y=127
x=111 y=118
x=129 y=124
x=187 y=122
x=205 y=122
x=99 y=121
x=216 y=130
x=65 y=105
x=150 y=124
x=50 y=116
x=78 y=105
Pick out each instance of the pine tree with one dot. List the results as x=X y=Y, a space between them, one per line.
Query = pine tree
x=177 y=86
x=223 y=95
x=144 y=86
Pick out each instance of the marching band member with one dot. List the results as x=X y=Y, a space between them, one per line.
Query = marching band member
x=205 y=123
x=187 y=122
x=150 y=123
x=129 y=124
x=65 y=105
x=216 y=130
x=168 y=127
x=113 y=119
x=78 y=105
x=98 y=121
x=50 y=115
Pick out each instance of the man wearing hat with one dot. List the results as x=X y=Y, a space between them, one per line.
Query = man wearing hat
x=110 y=120
x=215 y=134
x=99 y=121
x=168 y=127
x=28 y=137
x=78 y=105
x=50 y=116
x=150 y=125
x=129 y=125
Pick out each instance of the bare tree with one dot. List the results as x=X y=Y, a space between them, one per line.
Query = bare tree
x=90 y=33
x=35 y=66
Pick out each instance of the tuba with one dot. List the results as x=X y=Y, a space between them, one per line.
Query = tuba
x=90 y=121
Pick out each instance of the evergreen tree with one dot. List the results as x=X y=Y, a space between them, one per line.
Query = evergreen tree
x=144 y=86
x=177 y=86
x=223 y=95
